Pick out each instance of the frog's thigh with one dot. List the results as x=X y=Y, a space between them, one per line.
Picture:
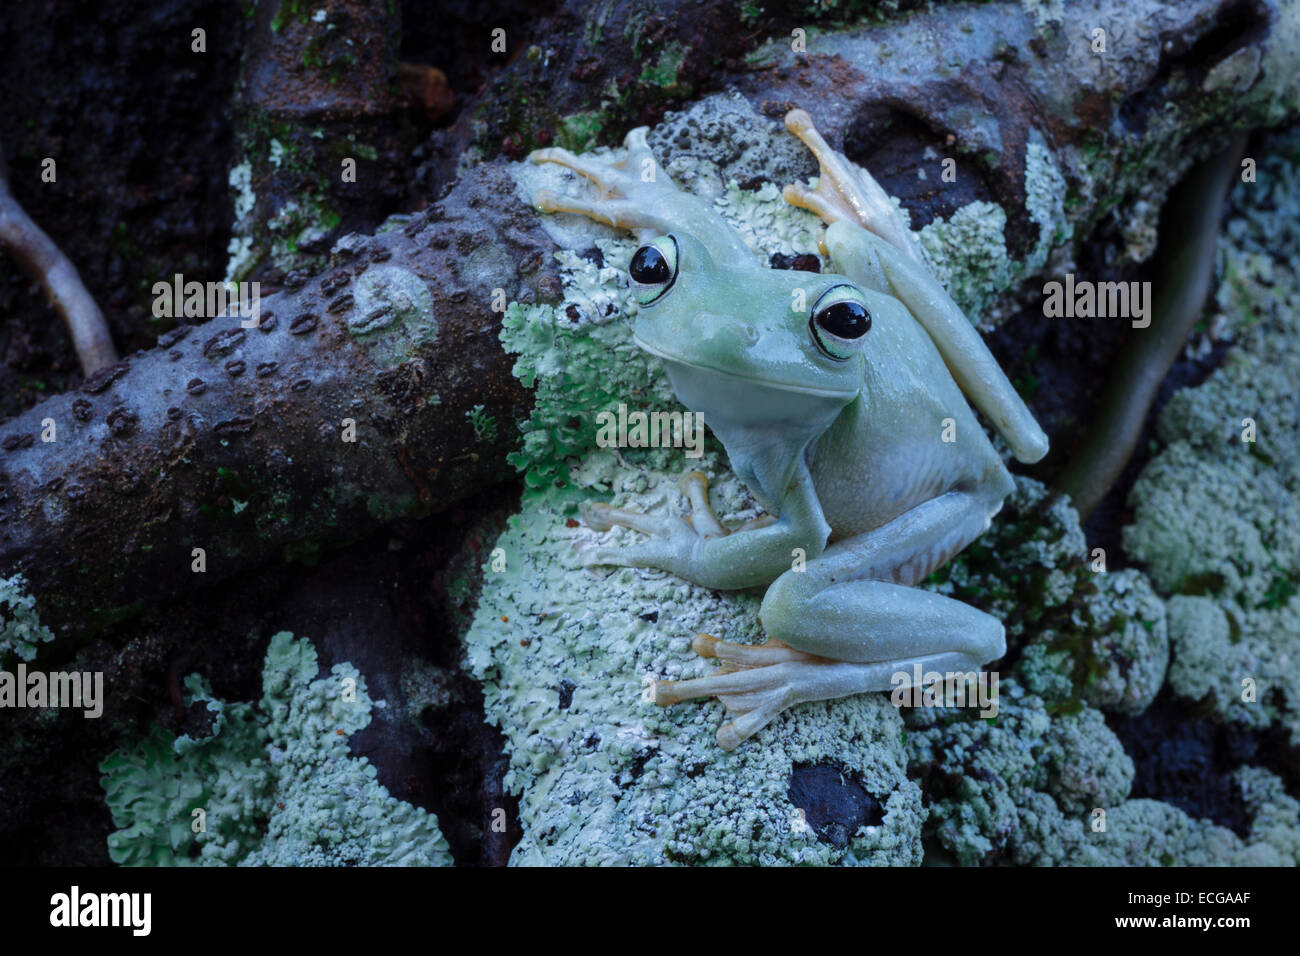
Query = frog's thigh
x=855 y=603
x=874 y=621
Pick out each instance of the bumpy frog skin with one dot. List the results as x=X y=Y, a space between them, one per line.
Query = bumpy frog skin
x=833 y=396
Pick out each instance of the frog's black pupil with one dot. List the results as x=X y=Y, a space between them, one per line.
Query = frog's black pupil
x=649 y=267
x=845 y=320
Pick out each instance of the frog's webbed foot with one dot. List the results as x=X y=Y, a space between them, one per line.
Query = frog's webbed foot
x=620 y=183
x=846 y=191
x=611 y=177
x=672 y=538
x=755 y=683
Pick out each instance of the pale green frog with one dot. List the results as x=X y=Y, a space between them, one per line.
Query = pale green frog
x=839 y=400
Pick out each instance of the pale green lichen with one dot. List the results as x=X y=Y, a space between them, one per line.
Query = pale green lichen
x=1217 y=516
x=20 y=624
x=579 y=360
x=1036 y=790
x=240 y=250
x=392 y=314
x=977 y=773
x=1086 y=633
x=606 y=777
x=968 y=250
x=1147 y=832
x=484 y=425
x=275 y=780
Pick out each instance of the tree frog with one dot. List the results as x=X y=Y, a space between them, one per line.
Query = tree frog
x=841 y=401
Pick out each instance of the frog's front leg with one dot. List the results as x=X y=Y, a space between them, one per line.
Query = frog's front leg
x=860 y=214
x=847 y=192
x=636 y=194
x=851 y=621
x=701 y=550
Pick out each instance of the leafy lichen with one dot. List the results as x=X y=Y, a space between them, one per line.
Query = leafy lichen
x=20 y=624
x=275 y=781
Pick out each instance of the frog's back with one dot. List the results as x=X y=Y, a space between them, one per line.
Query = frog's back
x=885 y=454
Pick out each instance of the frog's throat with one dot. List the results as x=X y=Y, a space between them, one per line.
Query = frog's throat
x=845 y=394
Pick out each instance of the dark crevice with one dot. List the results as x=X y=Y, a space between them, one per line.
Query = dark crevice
x=1187 y=60
x=898 y=146
x=834 y=800
x=1185 y=758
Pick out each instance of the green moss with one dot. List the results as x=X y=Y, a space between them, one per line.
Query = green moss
x=288 y=9
x=579 y=132
x=662 y=72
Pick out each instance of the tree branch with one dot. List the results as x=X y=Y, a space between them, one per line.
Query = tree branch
x=46 y=264
x=235 y=441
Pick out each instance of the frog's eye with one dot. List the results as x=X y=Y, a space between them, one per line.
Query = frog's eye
x=839 y=321
x=654 y=269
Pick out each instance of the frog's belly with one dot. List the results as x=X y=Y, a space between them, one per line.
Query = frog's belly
x=857 y=498
x=869 y=472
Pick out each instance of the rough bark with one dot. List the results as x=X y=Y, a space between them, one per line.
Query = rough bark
x=320 y=123
x=232 y=440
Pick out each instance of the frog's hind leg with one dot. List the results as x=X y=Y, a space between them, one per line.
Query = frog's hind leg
x=753 y=696
x=846 y=191
x=851 y=623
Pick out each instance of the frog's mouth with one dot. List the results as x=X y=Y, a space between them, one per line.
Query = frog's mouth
x=801 y=388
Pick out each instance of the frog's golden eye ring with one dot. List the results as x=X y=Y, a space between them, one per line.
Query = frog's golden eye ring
x=654 y=269
x=839 y=322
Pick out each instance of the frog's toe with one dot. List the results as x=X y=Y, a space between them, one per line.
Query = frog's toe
x=620 y=213
x=599 y=516
x=758 y=682
x=845 y=190
x=605 y=175
x=655 y=553
x=753 y=696
x=747 y=655
x=695 y=486
x=638 y=149
x=796 y=194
